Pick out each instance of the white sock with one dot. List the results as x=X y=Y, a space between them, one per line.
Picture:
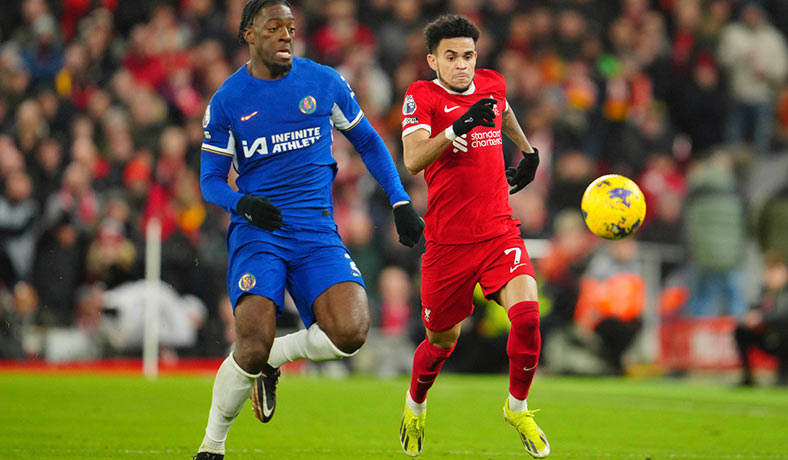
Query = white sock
x=416 y=408
x=231 y=389
x=312 y=344
x=517 y=405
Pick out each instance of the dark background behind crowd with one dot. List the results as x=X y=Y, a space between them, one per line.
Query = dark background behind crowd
x=101 y=103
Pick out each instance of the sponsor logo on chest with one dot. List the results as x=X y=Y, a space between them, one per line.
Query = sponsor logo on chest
x=282 y=142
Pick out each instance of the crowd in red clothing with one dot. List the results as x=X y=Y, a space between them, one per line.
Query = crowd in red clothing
x=101 y=104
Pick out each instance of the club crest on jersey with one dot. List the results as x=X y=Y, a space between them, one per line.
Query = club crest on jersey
x=409 y=106
x=247 y=282
x=307 y=105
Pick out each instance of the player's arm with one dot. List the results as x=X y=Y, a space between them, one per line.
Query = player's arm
x=218 y=151
x=258 y=210
x=377 y=159
x=420 y=150
x=522 y=175
x=511 y=128
x=214 y=168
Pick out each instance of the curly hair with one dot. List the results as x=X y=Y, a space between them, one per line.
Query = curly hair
x=251 y=9
x=449 y=26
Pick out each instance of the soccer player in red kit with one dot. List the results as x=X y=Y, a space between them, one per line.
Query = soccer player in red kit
x=451 y=129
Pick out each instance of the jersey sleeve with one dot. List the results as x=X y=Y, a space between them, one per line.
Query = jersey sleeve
x=346 y=113
x=416 y=110
x=217 y=131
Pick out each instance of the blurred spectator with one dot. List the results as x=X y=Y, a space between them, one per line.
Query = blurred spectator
x=664 y=187
x=611 y=299
x=43 y=55
x=58 y=270
x=18 y=212
x=765 y=325
x=561 y=269
x=111 y=257
x=702 y=111
x=18 y=316
x=715 y=225
x=772 y=227
x=124 y=317
x=396 y=312
x=572 y=174
x=357 y=234
x=89 y=304
x=47 y=169
x=395 y=308
x=75 y=198
x=341 y=32
x=754 y=54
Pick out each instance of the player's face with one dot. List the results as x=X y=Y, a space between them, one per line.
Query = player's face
x=455 y=62
x=270 y=38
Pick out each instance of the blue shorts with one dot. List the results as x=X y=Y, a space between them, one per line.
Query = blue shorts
x=305 y=262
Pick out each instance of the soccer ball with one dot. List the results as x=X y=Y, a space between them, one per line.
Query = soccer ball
x=613 y=207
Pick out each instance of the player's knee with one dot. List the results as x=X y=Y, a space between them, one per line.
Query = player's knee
x=525 y=316
x=526 y=322
x=524 y=335
x=350 y=339
x=251 y=354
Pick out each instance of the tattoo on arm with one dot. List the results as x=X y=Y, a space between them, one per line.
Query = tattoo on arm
x=511 y=128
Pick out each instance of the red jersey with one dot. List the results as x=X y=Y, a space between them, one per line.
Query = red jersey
x=468 y=196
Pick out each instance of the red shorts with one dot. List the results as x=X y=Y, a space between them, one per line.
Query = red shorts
x=450 y=272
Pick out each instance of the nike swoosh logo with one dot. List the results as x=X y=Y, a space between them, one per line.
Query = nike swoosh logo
x=421 y=381
x=447 y=109
x=529 y=368
x=267 y=411
x=515 y=268
x=246 y=117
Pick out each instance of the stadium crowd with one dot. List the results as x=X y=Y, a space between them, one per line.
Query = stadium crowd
x=101 y=106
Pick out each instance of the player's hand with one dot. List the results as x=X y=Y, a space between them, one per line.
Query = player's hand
x=479 y=114
x=410 y=225
x=260 y=211
x=524 y=173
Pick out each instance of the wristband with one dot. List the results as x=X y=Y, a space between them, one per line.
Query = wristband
x=449 y=133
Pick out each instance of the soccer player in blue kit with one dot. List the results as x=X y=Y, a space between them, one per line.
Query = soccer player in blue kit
x=272 y=120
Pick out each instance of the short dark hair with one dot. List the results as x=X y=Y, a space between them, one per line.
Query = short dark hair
x=449 y=26
x=251 y=9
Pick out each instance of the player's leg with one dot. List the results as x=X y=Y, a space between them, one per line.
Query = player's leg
x=255 y=322
x=428 y=360
x=329 y=293
x=330 y=337
x=520 y=299
x=342 y=313
x=323 y=281
x=509 y=279
x=341 y=322
x=449 y=274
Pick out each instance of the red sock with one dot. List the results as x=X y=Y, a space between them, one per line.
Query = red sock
x=427 y=362
x=523 y=347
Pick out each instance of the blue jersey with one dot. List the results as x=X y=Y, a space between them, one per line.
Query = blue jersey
x=278 y=133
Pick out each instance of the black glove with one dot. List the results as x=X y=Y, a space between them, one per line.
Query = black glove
x=479 y=114
x=524 y=173
x=259 y=211
x=410 y=225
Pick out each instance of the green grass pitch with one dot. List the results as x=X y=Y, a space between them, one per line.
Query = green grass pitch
x=107 y=417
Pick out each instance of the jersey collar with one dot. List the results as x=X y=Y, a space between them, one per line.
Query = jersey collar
x=470 y=89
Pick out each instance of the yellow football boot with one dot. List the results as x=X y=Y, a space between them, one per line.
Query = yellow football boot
x=533 y=438
x=411 y=431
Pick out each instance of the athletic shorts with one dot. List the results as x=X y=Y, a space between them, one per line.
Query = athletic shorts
x=450 y=272
x=305 y=262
